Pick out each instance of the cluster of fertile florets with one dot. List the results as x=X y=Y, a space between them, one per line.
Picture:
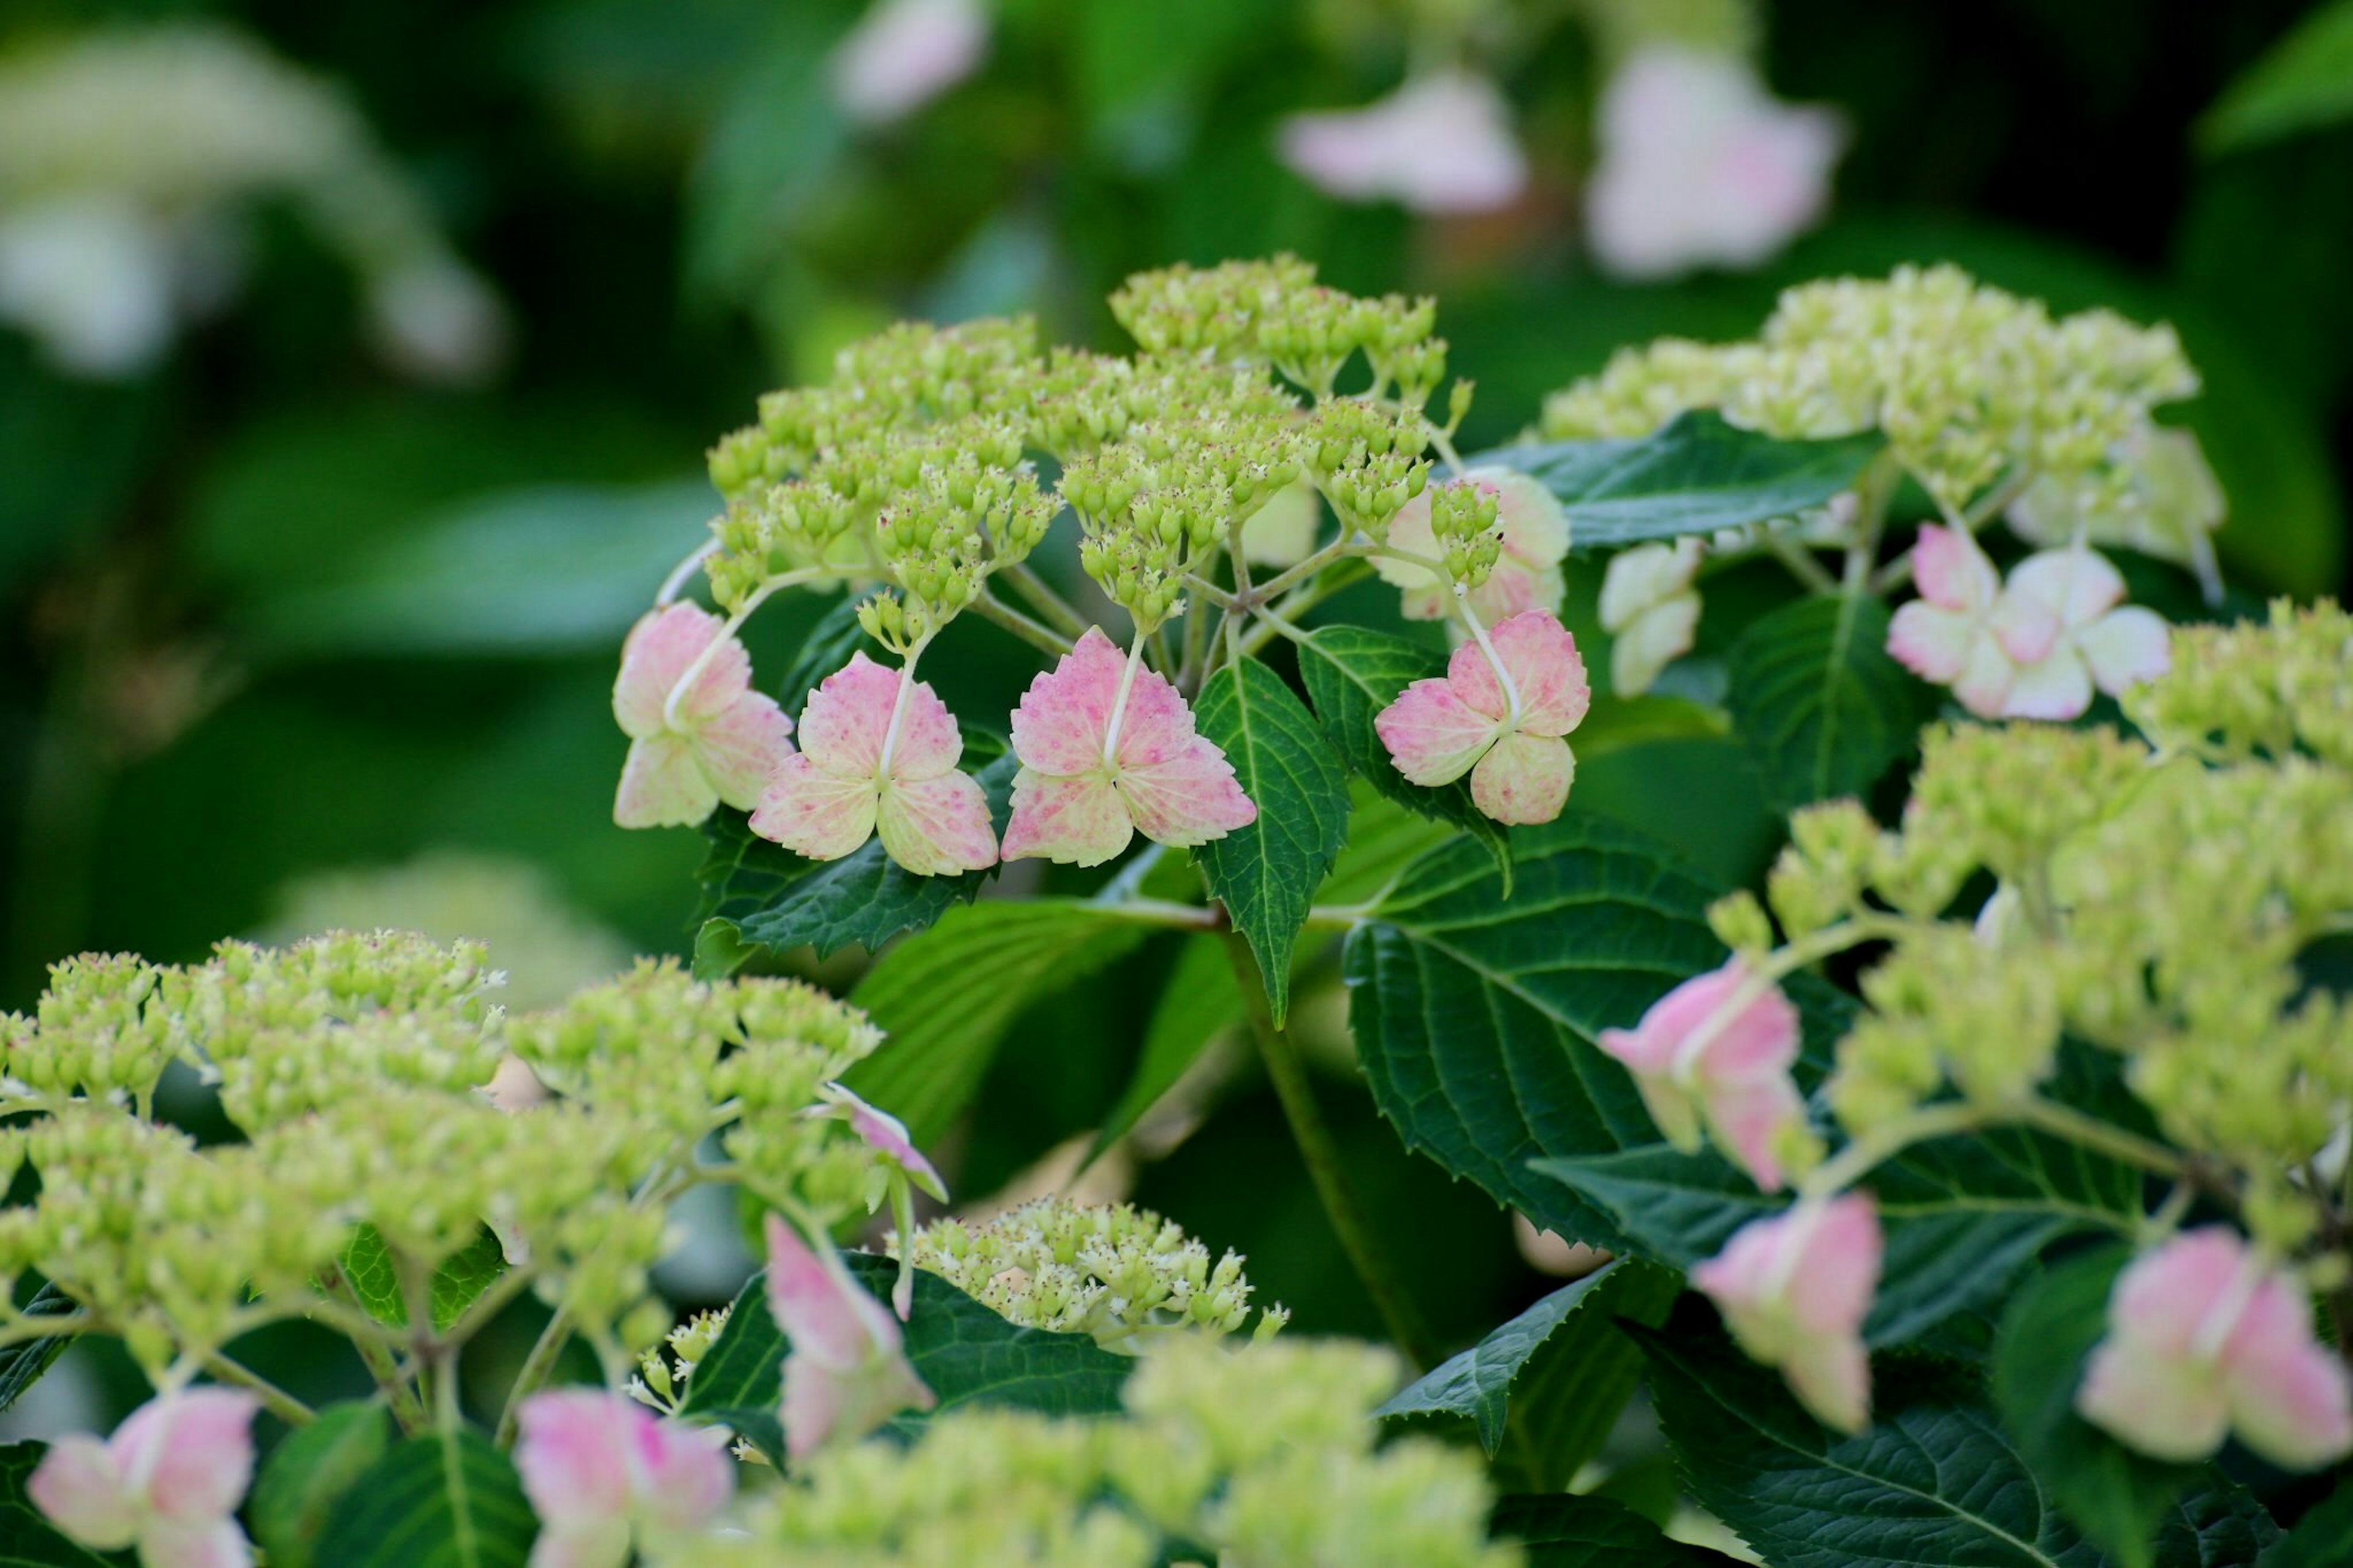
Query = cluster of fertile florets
x=1263 y=1454
x=2183 y=966
x=1996 y=408
x=911 y=479
x=1122 y=1274
x=358 y=1069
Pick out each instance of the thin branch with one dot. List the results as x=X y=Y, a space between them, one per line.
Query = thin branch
x=1040 y=596
x=407 y=1409
x=276 y=1400
x=536 y=1367
x=991 y=608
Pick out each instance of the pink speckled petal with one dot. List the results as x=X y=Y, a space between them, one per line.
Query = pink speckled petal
x=842 y=729
x=1931 y=642
x=741 y=746
x=2060 y=688
x=1545 y=665
x=937 y=826
x=1952 y=572
x=1078 y=821
x=2291 y=1399
x=1063 y=717
x=1794 y=1289
x=684 y=1475
x=1759 y=1041
x=1431 y=734
x=662 y=785
x=2127 y=646
x=930 y=744
x=1190 y=797
x=572 y=1450
x=823 y=815
x=192 y=1452
x=660 y=649
x=1158 y=727
x=1652 y=1046
x=1830 y=1291
x=80 y=1489
x=1523 y=779
x=820 y=1308
x=2162 y=1297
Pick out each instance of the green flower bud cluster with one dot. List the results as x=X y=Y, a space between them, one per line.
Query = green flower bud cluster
x=1209 y=313
x=1462 y=517
x=1157 y=503
x=1367 y=462
x=663 y=1372
x=1260 y=1456
x=2272 y=689
x=1968 y=383
x=1117 y=1273
x=356 y=1064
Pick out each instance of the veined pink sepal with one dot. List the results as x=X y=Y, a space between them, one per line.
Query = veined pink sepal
x=1519 y=760
x=1719 y=1047
x=1794 y=1289
x=717 y=742
x=845 y=1373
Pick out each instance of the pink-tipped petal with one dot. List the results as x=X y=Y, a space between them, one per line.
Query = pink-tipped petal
x=1832 y=1378
x=1653 y=1045
x=1079 y=820
x=1952 y=572
x=742 y=746
x=1431 y=734
x=842 y=728
x=573 y=1452
x=1523 y=779
x=821 y=814
x=1064 y=717
x=662 y=785
x=819 y=1306
x=1830 y=1292
x=2162 y=1299
x=1931 y=642
x=2126 y=647
x=1156 y=727
x=191 y=1451
x=1186 y=798
x=1794 y=1289
x=2166 y=1407
x=1542 y=659
x=80 y=1488
x=196 y=1543
x=684 y=1475
x=2074 y=588
x=930 y=744
x=937 y=826
x=888 y=1136
x=1750 y=1118
x=603 y=1544
x=2060 y=688
x=2291 y=1399
x=658 y=651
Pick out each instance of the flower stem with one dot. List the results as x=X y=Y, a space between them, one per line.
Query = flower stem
x=2130 y=1148
x=407 y=1408
x=276 y=1400
x=536 y=1367
x=997 y=612
x=1288 y=1071
x=1043 y=598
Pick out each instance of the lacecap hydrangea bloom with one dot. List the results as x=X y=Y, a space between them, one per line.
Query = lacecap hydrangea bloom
x=697 y=734
x=1500 y=715
x=167 y=1483
x=605 y=1475
x=1441 y=143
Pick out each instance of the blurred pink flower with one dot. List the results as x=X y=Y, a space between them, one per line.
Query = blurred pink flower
x=1526 y=575
x=1946 y=635
x=872 y=762
x=602 y=1471
x=1794 y=1289
x=845 y=1373
x=1441 y=143
x=2061 y=619
x=905 y=53
x=1510 y=742
x=2204 y=1338
x=1700 y=166
x=903 y=1163
x=717 y=742
x=1108 y=750
x=168 y=1481
x=1718 y=1046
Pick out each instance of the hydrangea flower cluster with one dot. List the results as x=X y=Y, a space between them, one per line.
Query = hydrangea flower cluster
x=911 y=479
x=1262 y=1454
x=1996 y=409
x=1122 y=1274
x=2181 y=967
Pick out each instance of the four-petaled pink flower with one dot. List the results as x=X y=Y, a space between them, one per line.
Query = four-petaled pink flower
x=1527 y=575
x=1108 y=750
x=717 y=743
x=167 y=1482
x=1718 y=1046
x=1946 y=635
x=1440 y=143
x=2206 y=1338
x=2062 y=621
x=845 y=1373
x=870 y=760
x=603 y=1471
x=1508 y=739
x=1794 y=1289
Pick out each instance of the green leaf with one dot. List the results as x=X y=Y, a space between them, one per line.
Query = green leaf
x=1475 y=1017
x=760 y=898
x=1693 y=475
x=964 y=1353
x=2115 y=1496
x=946 y=997
x=1564 y=1531
x=1553 y=1380
x=309 y=1473
x=366 y=1264
x=1822 y=707
x=436 y=1500
x=1384 y=838
x=2321 y=1539
x=1201 y=1001
x=2303 y=81
x=1266 y=874
x=775 y=140
x=26 y=1539
x=22 y=1363
x=1352 y=673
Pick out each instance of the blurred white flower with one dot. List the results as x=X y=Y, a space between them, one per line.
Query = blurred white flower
x=1700 y=165
x=434 y=319
x=1440 y=143
x=905 y=53
x=90 y=278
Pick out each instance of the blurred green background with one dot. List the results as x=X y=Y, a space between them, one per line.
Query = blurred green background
x=312 y=619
